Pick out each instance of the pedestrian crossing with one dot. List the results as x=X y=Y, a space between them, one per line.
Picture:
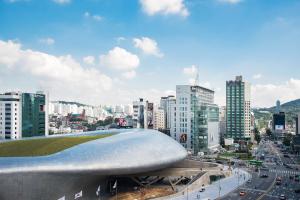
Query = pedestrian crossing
x=286 y=172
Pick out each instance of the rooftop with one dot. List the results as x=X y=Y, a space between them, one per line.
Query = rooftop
x=43 y=146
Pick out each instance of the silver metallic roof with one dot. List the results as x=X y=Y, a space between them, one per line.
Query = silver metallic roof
x=128 y=152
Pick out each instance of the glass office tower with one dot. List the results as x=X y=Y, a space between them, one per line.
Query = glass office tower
x=33 y=114
x=238 y=114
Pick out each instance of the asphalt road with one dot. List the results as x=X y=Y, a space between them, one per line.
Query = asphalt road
x=275 y=165
x=254 y=189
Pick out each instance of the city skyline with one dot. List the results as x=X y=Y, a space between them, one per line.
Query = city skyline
x=113 y=52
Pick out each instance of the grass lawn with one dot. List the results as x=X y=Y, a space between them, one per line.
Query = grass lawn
x=242 y=156
x=44 y=146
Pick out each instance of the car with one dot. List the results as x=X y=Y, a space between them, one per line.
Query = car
x=297 y=179
x=297 y=190
x=291 y=177
x=242 y=193
x=282 y=197
x=249 y=181
x=278 y=182
x=264 y=176
x=286 y=156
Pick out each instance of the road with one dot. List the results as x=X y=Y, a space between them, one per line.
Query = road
x=276 y=164
x=254 y=189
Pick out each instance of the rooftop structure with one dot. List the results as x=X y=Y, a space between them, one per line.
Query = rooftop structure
x=72 y=170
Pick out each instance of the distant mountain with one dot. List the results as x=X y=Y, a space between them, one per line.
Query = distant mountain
x=289 y=107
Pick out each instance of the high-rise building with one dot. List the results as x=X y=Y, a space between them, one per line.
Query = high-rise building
x=159 y=119
x=197 y=119
x=238 y=114
x=148 y=115
x=167 y=104
x=34 y=114
x=10 y=116
x=222 y=123
x=278 y=122
x=23 y=115
x=277 y=106
x=142 y=114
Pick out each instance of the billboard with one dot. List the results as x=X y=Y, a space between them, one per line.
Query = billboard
x=122 y=122
x=279 y=121
x=149 y=115
x=183 y=138
x=279 y=127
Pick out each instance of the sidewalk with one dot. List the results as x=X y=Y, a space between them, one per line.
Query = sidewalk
x=211 y=192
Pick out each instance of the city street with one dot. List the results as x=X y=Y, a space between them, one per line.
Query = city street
x=263 y=185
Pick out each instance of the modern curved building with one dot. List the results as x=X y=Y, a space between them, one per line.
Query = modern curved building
x=83 y=169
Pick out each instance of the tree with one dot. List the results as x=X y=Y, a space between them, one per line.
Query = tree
x=268 y=132
x=287 y=140
x=257 y=138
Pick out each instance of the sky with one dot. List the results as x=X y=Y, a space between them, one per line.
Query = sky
x=116 y=51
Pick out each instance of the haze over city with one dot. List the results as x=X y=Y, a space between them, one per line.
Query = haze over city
x=112 y=52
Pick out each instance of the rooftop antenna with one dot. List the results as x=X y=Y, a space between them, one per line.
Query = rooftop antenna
x=197 y=77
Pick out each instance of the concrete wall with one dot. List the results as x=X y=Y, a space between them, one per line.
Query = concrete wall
x=34 y=186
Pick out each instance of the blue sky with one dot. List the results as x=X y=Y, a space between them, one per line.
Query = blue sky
x=143 y=48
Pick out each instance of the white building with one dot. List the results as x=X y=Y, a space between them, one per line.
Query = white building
x=196 y=118
x=119 y=109
x=168 y=103
x=128 y=109
x=23 y=115
x=222 y=122
x=142 y=114
x=159 y=119
x=138 y=113
x=10 y=116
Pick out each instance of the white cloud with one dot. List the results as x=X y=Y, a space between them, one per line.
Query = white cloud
x=148 y=46
x=120 y=39
x=129 y=75
x=63 y=76
x=152 y=7
x=62 y=1
x=266 y=95
x=230 y=1
x=91 y=16
x=90 y=60
x=47 y=41
x=257 y=76
x=190 y=71
x=120 y=59
x=97 y=17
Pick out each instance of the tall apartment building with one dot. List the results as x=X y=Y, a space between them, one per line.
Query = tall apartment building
x=142 y=114
x=10 y=116
x=238 y=113
x=159 y=119
x=23 y=115
x=167 y=104
x=34 y=114
x=196 y=119
x=222 y=123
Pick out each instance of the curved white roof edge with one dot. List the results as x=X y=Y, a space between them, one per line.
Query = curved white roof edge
x=128 y=152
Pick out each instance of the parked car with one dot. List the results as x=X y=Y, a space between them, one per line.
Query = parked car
x=242 y=193
x=264 y=176
x=282 y=197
